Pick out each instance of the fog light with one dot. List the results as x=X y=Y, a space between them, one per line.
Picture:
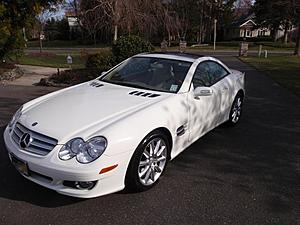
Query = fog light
x=81 y=185
x=85 y=185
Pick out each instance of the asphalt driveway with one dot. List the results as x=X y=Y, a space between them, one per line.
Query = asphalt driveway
x=244 y=175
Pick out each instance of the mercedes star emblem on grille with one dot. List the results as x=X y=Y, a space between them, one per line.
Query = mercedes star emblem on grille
x=25 y=140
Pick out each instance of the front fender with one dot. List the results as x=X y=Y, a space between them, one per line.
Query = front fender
x=126 y=134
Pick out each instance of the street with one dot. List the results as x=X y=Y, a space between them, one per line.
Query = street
x=249 y=174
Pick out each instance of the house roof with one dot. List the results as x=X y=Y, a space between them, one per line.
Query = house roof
x=248 y=21
x=243 y=20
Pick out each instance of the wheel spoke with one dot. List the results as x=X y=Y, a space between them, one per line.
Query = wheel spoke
x=234 y=115
x=151 y=151
x=144 y=171
x=161 y=150
x=147 y=175
x=161 y=159
x=157 y=146
x=144 y=163
x=146 y=154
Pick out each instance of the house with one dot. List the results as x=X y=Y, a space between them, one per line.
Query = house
x=72 y=21
x=246 y=27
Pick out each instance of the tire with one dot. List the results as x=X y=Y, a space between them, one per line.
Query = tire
x=236 y=110
x=146 y=167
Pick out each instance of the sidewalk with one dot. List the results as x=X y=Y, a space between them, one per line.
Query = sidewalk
x=32 y=75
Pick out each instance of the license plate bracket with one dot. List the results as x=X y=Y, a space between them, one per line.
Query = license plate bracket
x=20 y=165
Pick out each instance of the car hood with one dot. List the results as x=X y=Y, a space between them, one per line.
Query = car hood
x=71 y=111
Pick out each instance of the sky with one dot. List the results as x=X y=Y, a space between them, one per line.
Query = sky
x=57 y=14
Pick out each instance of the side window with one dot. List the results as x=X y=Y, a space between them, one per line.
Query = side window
x=202 y=76
x=208 y=73
x=217 y=72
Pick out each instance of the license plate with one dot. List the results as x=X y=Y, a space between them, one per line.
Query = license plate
x=21 y=166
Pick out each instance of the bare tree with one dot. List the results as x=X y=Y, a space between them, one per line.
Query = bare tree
x=242 y=7
x=40 y=23
x=141 y=16
x=92 y=20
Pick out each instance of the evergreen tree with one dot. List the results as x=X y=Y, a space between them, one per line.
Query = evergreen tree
x=14 y=16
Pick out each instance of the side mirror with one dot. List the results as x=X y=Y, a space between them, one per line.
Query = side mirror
x=202 y=91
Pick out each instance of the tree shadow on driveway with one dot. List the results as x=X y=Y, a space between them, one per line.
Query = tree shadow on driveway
x=257 y=160
x=12 y=184
x=261 y=156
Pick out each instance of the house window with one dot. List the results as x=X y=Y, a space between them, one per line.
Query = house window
x=248 y=33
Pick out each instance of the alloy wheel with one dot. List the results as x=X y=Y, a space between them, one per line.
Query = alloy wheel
x=237 y=110
x=152 y=161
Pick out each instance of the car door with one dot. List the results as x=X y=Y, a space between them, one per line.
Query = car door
x=205 y=111
x=221 y=78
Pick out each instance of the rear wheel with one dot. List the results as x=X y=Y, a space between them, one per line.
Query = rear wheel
x=148 y=162
x=236 y=110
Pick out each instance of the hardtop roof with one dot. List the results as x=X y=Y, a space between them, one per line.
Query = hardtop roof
x=173 y=55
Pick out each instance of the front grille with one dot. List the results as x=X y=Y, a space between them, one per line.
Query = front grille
x=40 y=144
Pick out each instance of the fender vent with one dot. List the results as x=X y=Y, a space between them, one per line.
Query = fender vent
x=144 y=94
x=95 y=84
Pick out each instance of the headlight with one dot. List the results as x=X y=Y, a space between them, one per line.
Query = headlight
x=85 y=152
x=16 y=117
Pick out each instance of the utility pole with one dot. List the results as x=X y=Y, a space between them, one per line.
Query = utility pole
x=215 y=33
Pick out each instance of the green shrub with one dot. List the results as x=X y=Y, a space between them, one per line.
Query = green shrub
x=127 y=46
x=75 y=76
x=102 y=61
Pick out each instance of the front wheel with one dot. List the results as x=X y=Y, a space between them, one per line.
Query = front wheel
x=148 y=162
x=236 y=110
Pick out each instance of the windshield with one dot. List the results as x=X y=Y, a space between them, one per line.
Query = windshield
x=150 y=73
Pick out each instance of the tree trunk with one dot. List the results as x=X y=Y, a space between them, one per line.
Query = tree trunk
x=95 y=39
x=116 y=33
x=41 y=43
x=169 y=37
x=129 y=29
x=275 y=33
x=201 y=26
x=285 y=37
x=297 y=49
x=286 y=29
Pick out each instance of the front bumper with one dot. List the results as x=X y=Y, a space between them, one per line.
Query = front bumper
x=49 y=171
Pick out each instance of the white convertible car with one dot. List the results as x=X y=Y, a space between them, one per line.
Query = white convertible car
x=122 y=128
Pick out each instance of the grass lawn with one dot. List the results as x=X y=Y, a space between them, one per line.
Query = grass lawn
x=235 y=45
x=51 y=60
x=221 y=46
x=285 y=70
x=63 y=44
x=228 y=48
